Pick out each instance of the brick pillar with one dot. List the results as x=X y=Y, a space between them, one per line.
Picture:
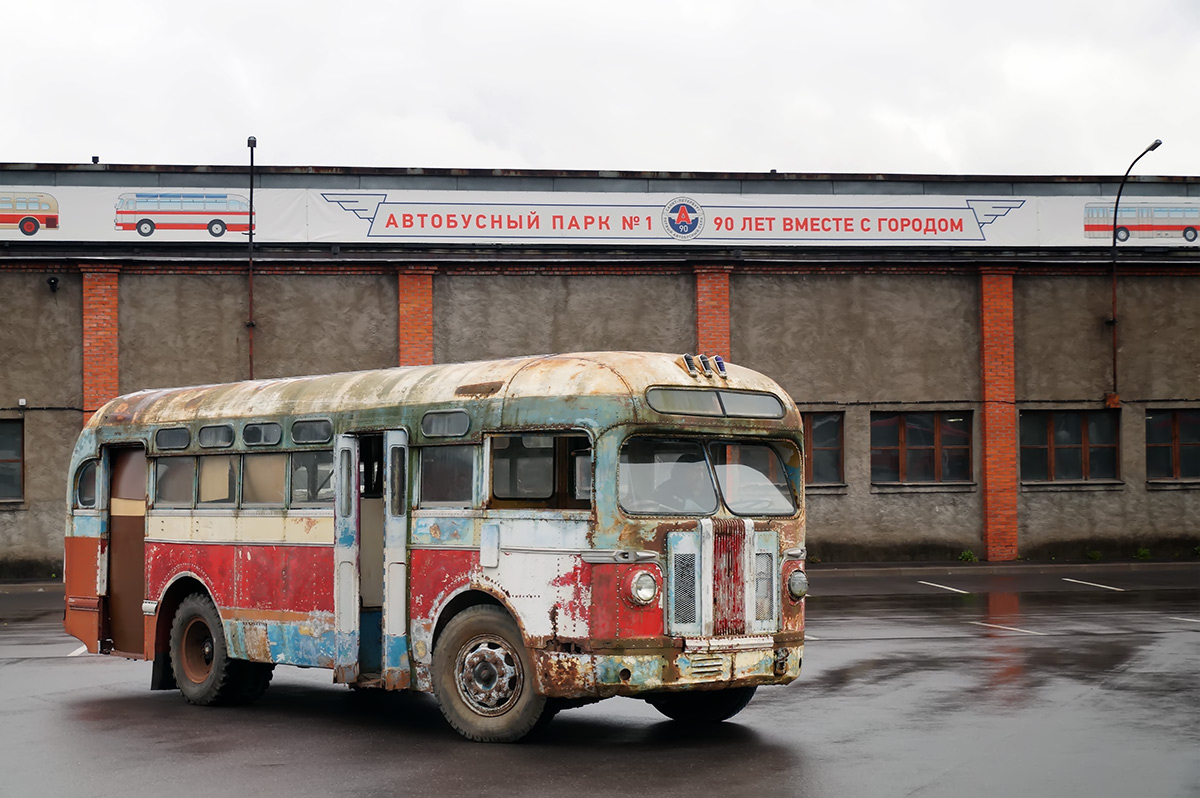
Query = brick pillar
x=416 y=317
x=997 y=364
x=101 y=372
x=712 y=310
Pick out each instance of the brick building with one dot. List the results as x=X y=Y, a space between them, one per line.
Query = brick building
x=950 y=338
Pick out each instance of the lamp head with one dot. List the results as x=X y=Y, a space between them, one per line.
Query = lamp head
x=251 y=142
x=1157 y=143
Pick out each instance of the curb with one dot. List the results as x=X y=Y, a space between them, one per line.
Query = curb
x=861 y=570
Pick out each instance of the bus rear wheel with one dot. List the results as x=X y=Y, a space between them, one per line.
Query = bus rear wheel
x=1122 y=234
x=199 y=660
x=483 y=677
x=29 y=225
x=1189 y=234
x=216 y=228
x=709 y=706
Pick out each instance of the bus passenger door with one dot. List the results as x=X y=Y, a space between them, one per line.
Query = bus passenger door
x=395 y=546
x=345 y=556
x=126 y=581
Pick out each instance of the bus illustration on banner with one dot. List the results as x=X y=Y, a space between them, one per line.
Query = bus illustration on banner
x=1142 y=220
x=28 y=211
x=146 y=212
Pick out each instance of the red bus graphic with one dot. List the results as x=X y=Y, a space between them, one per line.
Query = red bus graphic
x=28 y=212
x=1142 y=221
x=147 y=212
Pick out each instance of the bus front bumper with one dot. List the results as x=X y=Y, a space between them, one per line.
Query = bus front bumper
x=690 y=664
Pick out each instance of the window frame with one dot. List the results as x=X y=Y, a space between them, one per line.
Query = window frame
x=902 y=448
x=566 y=446
x=1175 y=445
x=1085 y=446
x=810 y=448
x=19 y=425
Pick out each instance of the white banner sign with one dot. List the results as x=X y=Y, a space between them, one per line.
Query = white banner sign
x=88 y=214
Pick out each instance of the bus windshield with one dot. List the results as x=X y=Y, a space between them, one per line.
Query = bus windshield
x=659 y=476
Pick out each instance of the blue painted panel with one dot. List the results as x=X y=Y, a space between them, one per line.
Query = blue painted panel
x=87 y=526
x=370 y=642
x=432 y=531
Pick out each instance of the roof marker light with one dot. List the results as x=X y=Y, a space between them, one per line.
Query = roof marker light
x=719 y=362
x=689 y=362
x=704 y=364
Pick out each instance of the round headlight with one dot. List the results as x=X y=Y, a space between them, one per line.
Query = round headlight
x=643 y=589
x=797 y=585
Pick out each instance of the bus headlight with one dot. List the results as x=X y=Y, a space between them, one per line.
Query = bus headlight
x=643 y=588
x=797 y=585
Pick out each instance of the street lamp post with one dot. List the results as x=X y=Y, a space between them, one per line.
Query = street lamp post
x=251 y=143
x=1114 y=399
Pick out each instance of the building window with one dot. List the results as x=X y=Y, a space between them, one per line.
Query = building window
x=823 y=442
x=1058 y=445
x=1173 y=444
x=921 y=447
x=12 y=463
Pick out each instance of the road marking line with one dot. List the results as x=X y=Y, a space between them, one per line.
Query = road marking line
x=943 y=587
x=1189 y=620
x=1094 y=584
x=810 y=637
x=1007 y=628
x=78 y=651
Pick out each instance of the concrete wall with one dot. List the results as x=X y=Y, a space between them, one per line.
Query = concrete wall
x=40 y=362
x=860 y=338
x=1064 y=361
x=501 y=316
x=179 y=329
x=858 y=343
x=190 y=329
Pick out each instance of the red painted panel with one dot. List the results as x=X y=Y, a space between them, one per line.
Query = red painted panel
x=729 y=581
x=435 y=574
x=614 y=614
x=82 y=618
x=290 y=578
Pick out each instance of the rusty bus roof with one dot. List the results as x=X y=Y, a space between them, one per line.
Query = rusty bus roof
x=616 y=374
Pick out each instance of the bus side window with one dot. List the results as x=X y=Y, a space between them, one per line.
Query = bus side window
x=174 y=480
x=312 y=478
x=447 y=476
x=85 y=486
x=552 y=472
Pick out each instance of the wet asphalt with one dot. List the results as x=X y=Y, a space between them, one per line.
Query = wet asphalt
x=918 y=681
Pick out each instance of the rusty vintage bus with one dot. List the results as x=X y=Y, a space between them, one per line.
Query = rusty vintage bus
x=516 y=536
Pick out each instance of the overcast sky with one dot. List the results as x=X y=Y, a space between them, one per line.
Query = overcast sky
x=869 y=86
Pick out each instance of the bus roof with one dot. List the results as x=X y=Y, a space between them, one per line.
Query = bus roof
x=620 y=375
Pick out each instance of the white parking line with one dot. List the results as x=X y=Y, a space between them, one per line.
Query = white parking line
x=1094 y=584
x=943 y=587
x=1189 y=620
x=78 y=651
x=1007 y=628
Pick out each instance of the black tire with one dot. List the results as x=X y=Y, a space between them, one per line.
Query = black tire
x=1189 y=234
x=483 y=677
x=709 y=706
x=145 y=227
x=1122 y=234
x=29 y=225
x=199 y=660
x=216 y=228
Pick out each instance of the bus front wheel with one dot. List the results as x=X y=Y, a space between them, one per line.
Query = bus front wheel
x=216 y=228
x=709 y=706
x=483 y=678
x=1189 y=234
x=145 y=227
x=199 y=660
x=29 y=225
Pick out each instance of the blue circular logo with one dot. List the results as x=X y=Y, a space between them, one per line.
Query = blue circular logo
x=683 y=218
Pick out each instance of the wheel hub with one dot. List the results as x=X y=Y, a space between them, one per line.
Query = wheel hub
x=489 y=676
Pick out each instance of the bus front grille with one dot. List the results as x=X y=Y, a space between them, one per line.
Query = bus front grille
x=722 y=579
